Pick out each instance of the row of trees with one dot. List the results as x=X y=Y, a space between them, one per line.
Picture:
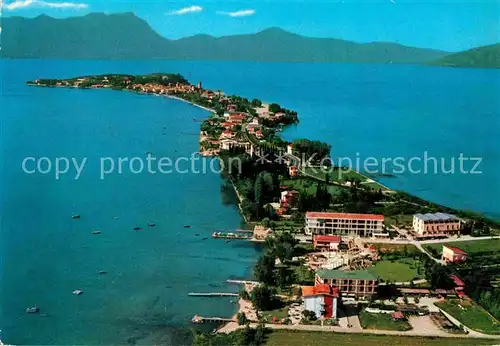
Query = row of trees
x=315 y=151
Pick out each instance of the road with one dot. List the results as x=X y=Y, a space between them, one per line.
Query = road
x=423 y=332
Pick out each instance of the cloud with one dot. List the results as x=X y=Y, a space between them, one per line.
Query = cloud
x=21 y=4
x=240 y=13
x=186 y=10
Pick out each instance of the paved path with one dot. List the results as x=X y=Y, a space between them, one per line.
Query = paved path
x=421 y=333
x=456 y=239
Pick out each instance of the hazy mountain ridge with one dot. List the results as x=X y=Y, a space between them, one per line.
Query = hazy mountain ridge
x=486 y=57
x=126 y=36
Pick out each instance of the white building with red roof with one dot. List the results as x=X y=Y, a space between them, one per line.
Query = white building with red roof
x=227 y=134
x=345 y=224
x=321 y=299
x=452 y=254
x=327 y=242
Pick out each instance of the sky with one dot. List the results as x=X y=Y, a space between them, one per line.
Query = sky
x=451 y=25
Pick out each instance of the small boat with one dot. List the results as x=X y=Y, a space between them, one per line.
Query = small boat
x=151 y=224
x=102 y=272
x=137 y=228
x=76 y=216
x=77 y=292
x=187 y=226
x=197 y=234
x=96 y=232
x=204 y=238
x=33 y=310
x=116 y=218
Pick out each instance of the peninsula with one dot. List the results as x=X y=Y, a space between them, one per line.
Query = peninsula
x=332 y=235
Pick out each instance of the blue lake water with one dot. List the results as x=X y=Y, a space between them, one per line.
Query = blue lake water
x=364 y=110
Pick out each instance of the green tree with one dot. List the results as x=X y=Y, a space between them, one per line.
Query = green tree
x=274 y=108
x=256 y=103
x=241 y=318
x=264 y=269
x=263 y=297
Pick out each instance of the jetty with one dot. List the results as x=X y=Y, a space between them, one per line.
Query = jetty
x=230 y=235
x=242 y=282
x=200 y=319
x=213 y=294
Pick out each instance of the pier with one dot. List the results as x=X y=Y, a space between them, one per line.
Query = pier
x=229 y=235
x=242 y=282
x=200 y=319
x=213 y=294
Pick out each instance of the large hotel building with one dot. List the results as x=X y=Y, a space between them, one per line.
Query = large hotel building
x=436 y=225
x=358 y=283
x=345 y=224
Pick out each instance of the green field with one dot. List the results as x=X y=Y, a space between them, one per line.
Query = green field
x=471 y=315
x=381 y=321
x=471 y=246
x=309 y=186
x=302 y=338
x=340 y=175
x=402 y=270
x=278 y=313
x=304 y=276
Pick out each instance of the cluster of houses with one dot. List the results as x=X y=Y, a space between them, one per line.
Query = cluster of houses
x=232 y=123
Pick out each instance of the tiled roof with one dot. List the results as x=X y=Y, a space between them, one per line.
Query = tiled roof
x=436 y=217
x=456 y=250
x=320 y=289
x=328 y=238
x=349 y=216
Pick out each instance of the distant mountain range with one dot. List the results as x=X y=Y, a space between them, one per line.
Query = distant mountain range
x=487 y=57
x=126 y=36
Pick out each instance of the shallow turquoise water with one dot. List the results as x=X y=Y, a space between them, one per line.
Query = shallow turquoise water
x=375 y=110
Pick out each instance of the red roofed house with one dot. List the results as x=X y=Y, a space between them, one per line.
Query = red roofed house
x=227 y=124
x=457 y=281
x=259 y=134
x=398 y=315
x=231 y=108
x=358 y=225
x=289 y=197
x=321 y=299
x=237 y=117
x=327 y=242
x=453 y=254
x=227 y=134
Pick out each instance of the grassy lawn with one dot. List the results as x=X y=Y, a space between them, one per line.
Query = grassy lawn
x=278 y=313
x=306 y=185
x=303 y=338
x=470 y=246
x=340 y=175
x=304 y=276
x=397 y=271
x=471 y=315
x=335 y=174
x=309 y=186
x=381 y=321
